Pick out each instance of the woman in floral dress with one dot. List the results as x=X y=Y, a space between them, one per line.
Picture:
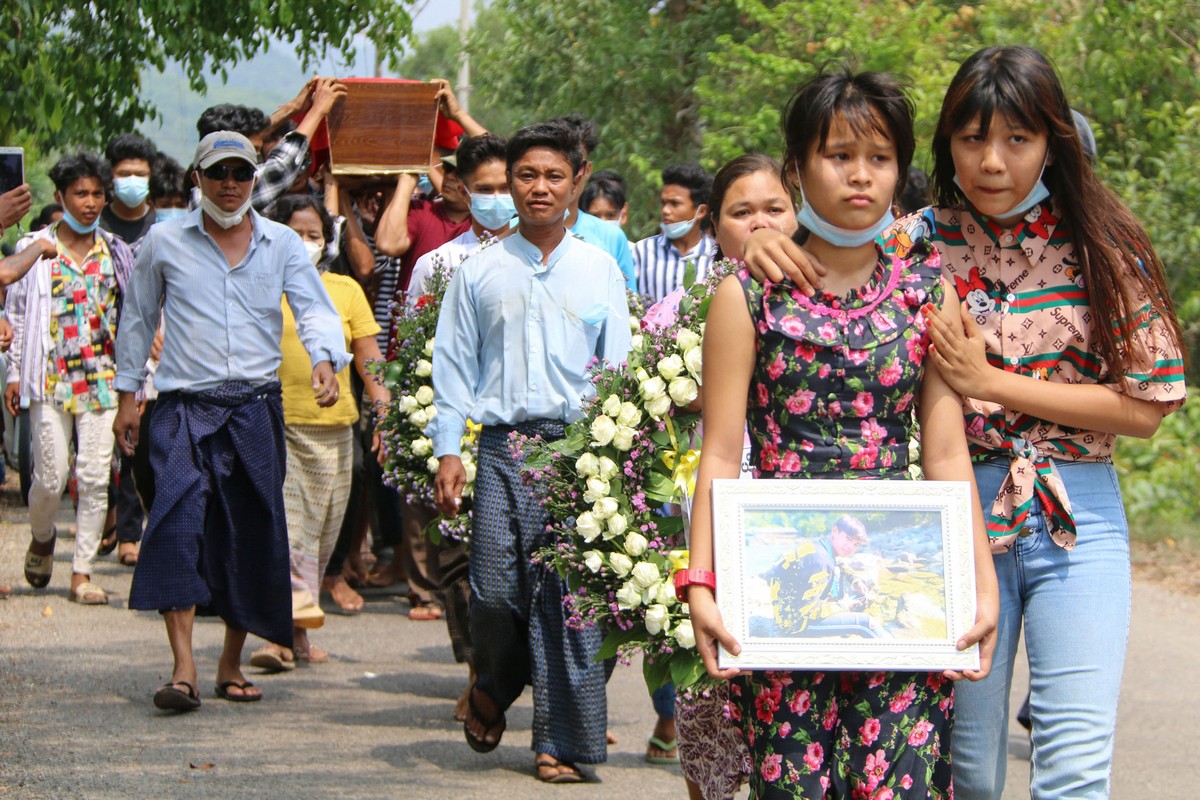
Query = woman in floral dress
x=828 y=386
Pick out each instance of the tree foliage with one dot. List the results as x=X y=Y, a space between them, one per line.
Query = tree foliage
x=70 y=71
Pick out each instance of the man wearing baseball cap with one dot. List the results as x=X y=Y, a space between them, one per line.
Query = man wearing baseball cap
x=216 y=541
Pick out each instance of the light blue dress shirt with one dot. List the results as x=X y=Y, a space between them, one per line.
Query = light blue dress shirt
x=515 y=337
x=220 y=323
x=611 y=239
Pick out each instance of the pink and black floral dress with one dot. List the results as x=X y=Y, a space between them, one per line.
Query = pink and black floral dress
x=832 y=396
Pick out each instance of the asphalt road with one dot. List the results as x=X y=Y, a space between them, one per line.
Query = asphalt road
x=76 y=719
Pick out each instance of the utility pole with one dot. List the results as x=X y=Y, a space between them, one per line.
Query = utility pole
x=463 y=90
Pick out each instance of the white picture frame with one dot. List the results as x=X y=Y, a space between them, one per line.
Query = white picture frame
x=900 y=601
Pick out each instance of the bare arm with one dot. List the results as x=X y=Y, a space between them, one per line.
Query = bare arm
x=391 y=234
x=14 y=267
x=944 y=457
x=325 y=94
x=959 y=351
x=728 y=366
x=290 y=108
x=448 y=107
x=358 y=252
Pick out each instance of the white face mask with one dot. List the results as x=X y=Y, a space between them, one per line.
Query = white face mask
x=226 y=219
x=315 y=250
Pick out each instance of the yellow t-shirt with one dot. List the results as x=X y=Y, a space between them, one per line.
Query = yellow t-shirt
x=295 y=372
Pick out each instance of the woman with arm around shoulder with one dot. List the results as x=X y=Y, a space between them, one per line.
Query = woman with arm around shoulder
x=820 y=734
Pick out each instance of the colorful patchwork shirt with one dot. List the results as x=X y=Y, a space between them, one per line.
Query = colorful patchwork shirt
x=83 y=320
x=1024 y=287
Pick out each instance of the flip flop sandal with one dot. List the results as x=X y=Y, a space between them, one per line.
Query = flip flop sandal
x=564 y=771
x=425 y=612
x=481 y=745
x=38 y=569
x=169 y=698
x=107 y=545
x=222 y=690
x=88 y=594
x=665 y=747
x=271 y=660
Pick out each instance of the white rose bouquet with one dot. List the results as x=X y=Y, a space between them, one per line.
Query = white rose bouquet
x=410 y=466
x=606 y=483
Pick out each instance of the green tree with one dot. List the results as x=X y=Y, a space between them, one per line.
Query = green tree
x=70 y=72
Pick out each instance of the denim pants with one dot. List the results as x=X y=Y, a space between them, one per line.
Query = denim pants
x=1075 y=607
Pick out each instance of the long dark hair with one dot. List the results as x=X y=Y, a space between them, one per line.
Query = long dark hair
x=289 y=204
x=1120 y=267
x=870 y=102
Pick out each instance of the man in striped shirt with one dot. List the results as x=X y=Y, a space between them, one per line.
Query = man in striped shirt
x=662 y=259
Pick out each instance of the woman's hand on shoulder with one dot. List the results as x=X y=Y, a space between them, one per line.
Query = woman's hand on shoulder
x=771 y=255
x=957 y=347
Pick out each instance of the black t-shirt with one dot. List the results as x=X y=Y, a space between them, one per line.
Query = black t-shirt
x=129 y=231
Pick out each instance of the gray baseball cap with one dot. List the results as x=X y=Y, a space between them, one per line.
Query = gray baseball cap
x=220 y=145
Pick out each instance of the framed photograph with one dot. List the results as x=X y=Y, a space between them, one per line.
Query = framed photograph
x=845 y=575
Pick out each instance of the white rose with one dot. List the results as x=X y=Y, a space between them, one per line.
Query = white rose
x=670 y=366
x=658 y=619
x=645 y=575
x=422 y=447
x=603 y=429
x=432 y=465
x=659 y=406
x=607 y=468
x=684 y=391
x=621 y=565
x=616 y=526
x=635 y=544
x=663 y=592
x=429 y=347
x=694 y=361
x=687 y=341
x=425 y=395
x=655 y=387
x=588 y=526
x=419 y=419
x=424 y=369
x=466 y=457
x=685 y=635
x=641 y=375
x=470 y=469
x=593 y=560
x=629 y=415
x=587 y=465
x=596 y=488
x=430 y=413
x=409 y=404
x=636 y=342
x=623 y=438
x=604 y=508
x=628 y=596
x=612 y=404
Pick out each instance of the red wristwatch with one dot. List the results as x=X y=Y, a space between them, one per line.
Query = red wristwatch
x=686 y=577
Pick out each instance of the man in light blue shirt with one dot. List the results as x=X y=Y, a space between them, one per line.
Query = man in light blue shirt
x=217 y=537
x=521 y=323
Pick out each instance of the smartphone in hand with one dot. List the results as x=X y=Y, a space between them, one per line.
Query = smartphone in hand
x=12 y=168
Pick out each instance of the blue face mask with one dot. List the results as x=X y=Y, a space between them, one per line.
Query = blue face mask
x=131 y=190
x=840 y=237
x=165 y=214
x=677 y=230
x=1037 y=194
x=492 y=211
x=78 y=226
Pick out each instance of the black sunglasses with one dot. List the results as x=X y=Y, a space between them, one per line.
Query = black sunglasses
x=218 y=172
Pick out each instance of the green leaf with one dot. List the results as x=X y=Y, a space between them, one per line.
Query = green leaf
x=656 y=672
x=616 y=638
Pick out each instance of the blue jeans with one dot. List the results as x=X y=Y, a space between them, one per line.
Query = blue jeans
x=1075 y=606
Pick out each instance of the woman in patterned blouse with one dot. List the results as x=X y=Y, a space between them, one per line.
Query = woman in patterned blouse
x=827 y=385
x=1067 y=339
